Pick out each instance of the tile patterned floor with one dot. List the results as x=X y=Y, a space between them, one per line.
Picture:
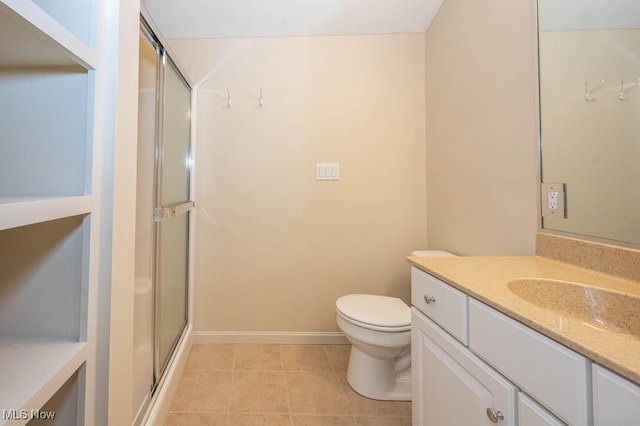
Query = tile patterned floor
x=274 y=385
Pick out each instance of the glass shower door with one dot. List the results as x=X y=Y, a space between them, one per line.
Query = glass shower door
x=172 y=215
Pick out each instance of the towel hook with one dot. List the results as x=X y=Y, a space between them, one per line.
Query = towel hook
x=261 y=99
x=588 y=94
x=623 y=92
x=229 y=100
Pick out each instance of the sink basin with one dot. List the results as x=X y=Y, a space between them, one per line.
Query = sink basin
x=604 y=309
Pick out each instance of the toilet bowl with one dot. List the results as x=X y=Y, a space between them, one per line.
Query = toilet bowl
x=379 y=330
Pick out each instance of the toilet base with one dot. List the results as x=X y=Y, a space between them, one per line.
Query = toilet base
x=377 y=378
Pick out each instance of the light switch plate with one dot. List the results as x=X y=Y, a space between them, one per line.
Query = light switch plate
x=553 y=200
x=327 y=171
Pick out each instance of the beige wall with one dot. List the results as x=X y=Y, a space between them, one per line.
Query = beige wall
x=482 y=128
x=275 y=247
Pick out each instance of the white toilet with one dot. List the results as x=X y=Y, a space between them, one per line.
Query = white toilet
x=379 y=330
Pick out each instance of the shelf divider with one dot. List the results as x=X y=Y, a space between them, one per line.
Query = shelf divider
x=38 y=40
x=22 y=211
x=33 y=370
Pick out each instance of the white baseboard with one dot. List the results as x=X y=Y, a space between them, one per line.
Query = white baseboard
x=159 y=407
x=271 y=337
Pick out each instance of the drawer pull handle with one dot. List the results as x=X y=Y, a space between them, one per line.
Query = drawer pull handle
x=429 y=299
x=494 y=415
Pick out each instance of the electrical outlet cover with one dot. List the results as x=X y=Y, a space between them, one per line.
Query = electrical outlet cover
x=552 y=200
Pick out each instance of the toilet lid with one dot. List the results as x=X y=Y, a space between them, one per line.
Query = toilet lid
x=378 y=311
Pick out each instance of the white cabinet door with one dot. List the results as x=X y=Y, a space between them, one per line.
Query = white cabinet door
x=616 y=401
x=452 y=386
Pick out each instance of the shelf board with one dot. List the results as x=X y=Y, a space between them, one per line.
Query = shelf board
x=22 y=211
x=32 y=371
x=32 y=38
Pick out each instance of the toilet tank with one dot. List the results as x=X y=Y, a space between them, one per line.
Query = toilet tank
x=432 y=253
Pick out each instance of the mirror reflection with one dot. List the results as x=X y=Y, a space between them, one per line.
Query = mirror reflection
x=589 y=59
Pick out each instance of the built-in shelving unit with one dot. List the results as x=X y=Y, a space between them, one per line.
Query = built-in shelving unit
x=48 y=63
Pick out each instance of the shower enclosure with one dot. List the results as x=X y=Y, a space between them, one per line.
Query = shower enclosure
x=162 y=218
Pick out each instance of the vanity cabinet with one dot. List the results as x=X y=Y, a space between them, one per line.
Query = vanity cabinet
x=492 y=370
x=49 y=203
x=616 y=401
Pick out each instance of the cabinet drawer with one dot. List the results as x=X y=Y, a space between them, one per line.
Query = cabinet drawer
x=554 y=375
x=448 y=306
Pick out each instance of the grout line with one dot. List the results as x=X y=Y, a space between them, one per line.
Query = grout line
x=326 y=353
x=233 y=359
x=281 y=357
x=231 y=390
x=286 y=387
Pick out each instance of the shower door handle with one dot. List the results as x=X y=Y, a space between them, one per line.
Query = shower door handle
x=160 y=213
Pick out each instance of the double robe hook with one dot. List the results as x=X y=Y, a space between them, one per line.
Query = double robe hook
x=230 y=101
x=623 y=93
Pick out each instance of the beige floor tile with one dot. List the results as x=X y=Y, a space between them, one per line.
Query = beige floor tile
x=191 y=419
x=257 y=357
x=323 y=421
x=362 y=406
x=305 y=358
x=384 y=421
x=262 y=392
x=258 y=392
x=339 y=356
x=211 y=357
x=202 y=390
x=316 y=392
x=258 y=420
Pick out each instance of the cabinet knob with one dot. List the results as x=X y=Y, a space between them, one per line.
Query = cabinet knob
x=494 y=415
x=429 y=299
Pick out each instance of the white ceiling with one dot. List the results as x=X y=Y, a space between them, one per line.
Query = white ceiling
x=280 y=18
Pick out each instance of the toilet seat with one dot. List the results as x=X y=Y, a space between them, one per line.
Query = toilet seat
x=375 y=327
x=381 y=313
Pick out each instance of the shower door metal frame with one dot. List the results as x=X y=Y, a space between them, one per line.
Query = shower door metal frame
x=165 y=212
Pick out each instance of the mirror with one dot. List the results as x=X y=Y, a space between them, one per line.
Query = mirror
x=589 y=63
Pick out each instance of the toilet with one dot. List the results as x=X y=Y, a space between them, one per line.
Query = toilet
x=379 y=330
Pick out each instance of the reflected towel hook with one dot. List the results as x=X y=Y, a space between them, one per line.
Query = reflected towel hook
x=229 y=101
x=261 y=99
x=623 y=92
x=588 y=94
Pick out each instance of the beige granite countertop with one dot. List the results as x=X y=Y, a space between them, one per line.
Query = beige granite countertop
x=485 y=279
